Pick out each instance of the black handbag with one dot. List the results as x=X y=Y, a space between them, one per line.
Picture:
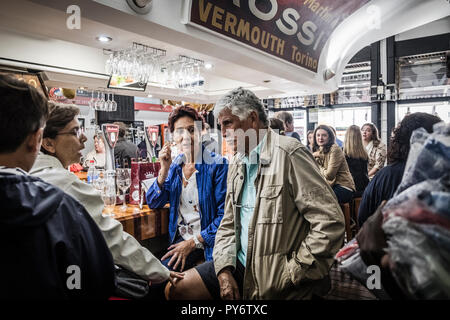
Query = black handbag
x=129 y=285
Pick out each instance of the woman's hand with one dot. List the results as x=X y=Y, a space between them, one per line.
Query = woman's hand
x=179 y=252
x=165 y=158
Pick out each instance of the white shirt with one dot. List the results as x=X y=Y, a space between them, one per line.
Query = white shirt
x=189 y=209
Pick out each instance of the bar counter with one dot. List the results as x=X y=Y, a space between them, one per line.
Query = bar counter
x=143 y=223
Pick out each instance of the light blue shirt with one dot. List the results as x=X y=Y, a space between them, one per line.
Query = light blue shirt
x=248 y=197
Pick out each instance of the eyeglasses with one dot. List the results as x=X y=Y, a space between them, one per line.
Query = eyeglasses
x=77 y=132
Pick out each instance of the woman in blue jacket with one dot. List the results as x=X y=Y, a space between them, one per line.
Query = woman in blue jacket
x=195 y=186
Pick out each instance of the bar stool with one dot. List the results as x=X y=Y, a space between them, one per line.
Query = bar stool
x=345 y=207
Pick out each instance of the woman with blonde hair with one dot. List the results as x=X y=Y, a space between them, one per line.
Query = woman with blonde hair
x=357 y=159
x=374 y=147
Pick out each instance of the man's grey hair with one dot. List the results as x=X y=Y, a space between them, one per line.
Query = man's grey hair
x=241 y=102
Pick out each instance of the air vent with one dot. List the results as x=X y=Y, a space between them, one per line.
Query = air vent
x=423 y=58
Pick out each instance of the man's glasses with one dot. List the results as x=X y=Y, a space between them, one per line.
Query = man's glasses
x=77 y=132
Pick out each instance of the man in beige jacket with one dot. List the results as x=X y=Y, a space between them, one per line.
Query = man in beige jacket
x=282 y=224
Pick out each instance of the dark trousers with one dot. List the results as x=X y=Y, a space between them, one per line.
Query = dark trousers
x=343 y=195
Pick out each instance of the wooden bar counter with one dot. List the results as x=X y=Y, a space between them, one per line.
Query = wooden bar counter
x=143 y=223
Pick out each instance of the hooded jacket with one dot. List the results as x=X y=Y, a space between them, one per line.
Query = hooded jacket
x=125 y=249
x=51 y=248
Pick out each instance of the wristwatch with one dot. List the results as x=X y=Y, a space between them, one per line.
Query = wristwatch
x=198 y=244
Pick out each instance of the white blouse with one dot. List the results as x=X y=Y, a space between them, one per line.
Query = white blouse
x=189 y=209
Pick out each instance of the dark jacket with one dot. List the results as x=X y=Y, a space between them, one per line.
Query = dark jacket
x=43 y=232
x=358 y=169
x=212 y=188
x=125 y=149
x=382 y=187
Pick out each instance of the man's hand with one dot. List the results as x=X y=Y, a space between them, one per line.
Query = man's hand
x=229 y=289
x=174 y=277
x=371 y=239
x=179 y=252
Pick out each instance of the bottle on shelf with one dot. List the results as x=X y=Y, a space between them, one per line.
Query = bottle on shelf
x=90 y=173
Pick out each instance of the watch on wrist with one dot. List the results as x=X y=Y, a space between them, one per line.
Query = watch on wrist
x=198 y=244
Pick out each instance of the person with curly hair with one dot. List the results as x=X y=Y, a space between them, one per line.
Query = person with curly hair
x=332 y=163
x=383 y=185
x=374 y=147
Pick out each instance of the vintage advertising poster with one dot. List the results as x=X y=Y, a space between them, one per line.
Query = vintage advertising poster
x=292 y=30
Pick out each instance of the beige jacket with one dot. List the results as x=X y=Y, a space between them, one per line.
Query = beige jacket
x=296 y=229
x=334 y=168
x=126 y=250
x=377 y=156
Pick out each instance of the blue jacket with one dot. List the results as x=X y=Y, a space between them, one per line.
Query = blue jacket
x=212 y=188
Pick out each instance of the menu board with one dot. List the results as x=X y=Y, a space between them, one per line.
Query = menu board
x=126 y=83
x=70 y=96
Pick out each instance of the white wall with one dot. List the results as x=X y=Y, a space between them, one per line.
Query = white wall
x=51 y=52
x=434 y=28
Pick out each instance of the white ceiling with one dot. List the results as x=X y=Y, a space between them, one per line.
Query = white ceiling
x=35 y=32
x=35 y=21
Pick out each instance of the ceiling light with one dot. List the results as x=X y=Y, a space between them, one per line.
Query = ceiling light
x=266 y=81
x=208 y=66
x=149 y=96
x=104 y=39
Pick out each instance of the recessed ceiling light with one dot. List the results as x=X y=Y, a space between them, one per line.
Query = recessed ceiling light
x=149 y=96
x=104 y=38
x=208 y=66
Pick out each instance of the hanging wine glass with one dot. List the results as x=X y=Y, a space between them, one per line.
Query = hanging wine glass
x=109 y=64
x=113 y=103
x=108 y=103
x=97 y=102
x=102 y=102
x=92 y=101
